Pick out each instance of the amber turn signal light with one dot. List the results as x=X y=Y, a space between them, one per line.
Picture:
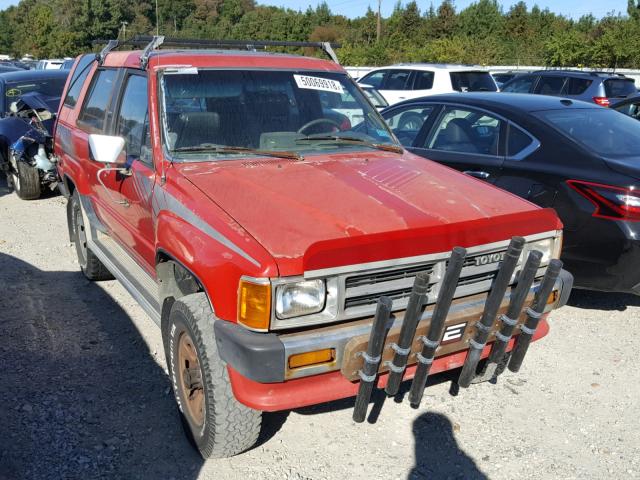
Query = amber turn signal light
x=316 y=357
x=553 y=297
x=254 y=304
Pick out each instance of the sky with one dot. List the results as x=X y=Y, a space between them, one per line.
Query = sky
x=356 y=8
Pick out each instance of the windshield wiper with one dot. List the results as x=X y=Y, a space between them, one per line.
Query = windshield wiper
x=210 y=147
x=338 y=139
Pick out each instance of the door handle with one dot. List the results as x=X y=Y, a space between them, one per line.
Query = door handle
x=478 y=174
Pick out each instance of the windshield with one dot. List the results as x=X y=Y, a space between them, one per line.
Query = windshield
x=601 y=130
x=472 y=82
x=287 y=111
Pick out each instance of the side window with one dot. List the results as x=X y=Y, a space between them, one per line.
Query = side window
x=550 y=85
x=94 y=109
x=520 y=85
x=133 y=120
x=77 y=80
x=517 y=141
x=423 y=81
x=577 y=86
x=466 y=131
x=397 y=80
x=406 y=123
x=375 y=79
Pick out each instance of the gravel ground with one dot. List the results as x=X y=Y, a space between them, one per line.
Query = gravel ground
x=85 y=393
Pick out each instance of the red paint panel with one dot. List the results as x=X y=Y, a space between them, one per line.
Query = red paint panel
x=364 y=206
x=272 y=397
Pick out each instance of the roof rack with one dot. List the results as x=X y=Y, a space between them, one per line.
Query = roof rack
x=593 y=73
x=150 y=44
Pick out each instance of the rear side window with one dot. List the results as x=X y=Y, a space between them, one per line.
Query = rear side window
x=77 y=80
x=423 y=81
x=520 y=85
x=472 y=82
x=397 y=80
x=94 y=110
x=619 y=87
x=517 y=141
x=550 y=85
x=577 y=86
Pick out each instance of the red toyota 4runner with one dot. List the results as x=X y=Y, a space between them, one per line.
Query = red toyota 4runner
x=261 y=212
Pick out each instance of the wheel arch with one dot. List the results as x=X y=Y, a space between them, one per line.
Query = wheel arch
x=175 y=281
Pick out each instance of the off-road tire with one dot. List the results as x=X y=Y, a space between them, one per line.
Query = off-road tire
x=90 y=265
x=26 y=181
x=228 y=427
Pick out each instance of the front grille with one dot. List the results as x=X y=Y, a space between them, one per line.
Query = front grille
x=395 y=295
x=480 y=277
x=363 y=290
x=387 y=275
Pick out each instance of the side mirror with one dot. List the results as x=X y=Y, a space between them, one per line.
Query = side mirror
x=106 y=149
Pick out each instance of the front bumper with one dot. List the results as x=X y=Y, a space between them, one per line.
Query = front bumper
x=263 y=358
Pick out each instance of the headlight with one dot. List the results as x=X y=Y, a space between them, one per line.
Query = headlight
x=301 y=298
x=543 y=246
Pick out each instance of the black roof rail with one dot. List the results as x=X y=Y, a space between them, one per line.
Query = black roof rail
x=151 y=43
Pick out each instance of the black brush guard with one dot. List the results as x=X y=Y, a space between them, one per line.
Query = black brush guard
x=498 y=357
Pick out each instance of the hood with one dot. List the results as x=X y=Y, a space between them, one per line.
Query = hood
x=354 y=208
x=627 y=166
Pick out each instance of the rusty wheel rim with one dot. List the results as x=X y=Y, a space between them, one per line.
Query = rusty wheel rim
x=190 y=379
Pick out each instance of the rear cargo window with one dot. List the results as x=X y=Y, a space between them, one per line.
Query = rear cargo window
x=94 y=110
x=619 y=87
x=472 y=82
x=577 y=86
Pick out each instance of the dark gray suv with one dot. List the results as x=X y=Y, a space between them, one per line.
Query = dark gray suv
x=596 y=87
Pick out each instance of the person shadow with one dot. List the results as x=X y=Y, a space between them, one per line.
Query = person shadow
x=437 y=454
x=82 y=395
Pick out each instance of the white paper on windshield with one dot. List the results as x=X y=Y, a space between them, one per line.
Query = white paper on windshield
x=318 y=83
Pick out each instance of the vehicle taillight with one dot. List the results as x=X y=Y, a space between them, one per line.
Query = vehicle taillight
x=602 y=101
x=616 y=203
x=345 y=125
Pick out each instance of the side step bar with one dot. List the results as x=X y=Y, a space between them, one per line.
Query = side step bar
x=142 y=287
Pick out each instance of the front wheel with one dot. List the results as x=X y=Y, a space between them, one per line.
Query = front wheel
x=217 y=424
x=26 y=181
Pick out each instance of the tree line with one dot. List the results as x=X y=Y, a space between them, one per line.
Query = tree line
x=482 y=33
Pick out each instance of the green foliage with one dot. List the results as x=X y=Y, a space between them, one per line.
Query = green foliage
x=481 y=33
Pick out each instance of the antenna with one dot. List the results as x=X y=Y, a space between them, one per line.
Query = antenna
x=157 y=20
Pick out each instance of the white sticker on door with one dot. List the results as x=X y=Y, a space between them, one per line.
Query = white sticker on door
x=318 y=83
